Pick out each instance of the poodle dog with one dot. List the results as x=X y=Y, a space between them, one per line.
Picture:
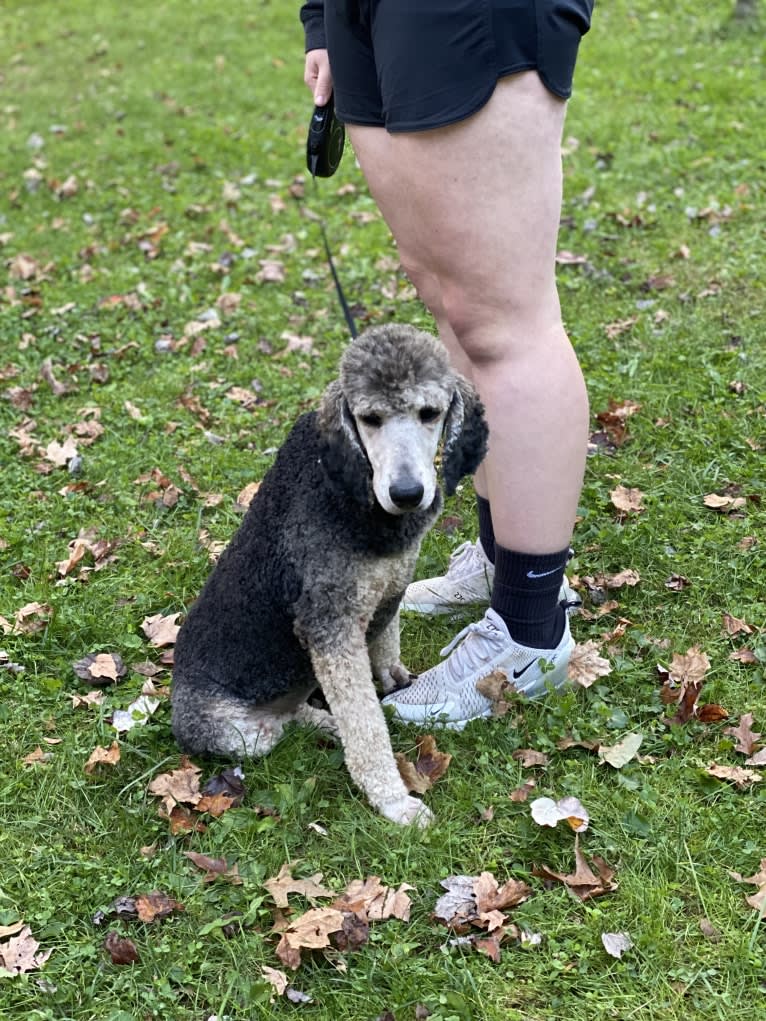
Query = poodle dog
x=307 y=593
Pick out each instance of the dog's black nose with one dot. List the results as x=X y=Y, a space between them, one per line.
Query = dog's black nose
x=406 y=494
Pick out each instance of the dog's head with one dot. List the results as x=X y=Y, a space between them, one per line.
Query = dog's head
x=384 y=417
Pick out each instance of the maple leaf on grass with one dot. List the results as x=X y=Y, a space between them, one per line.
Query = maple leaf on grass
x=103 y=756
x=583 y=882
x=100 y=669
x=529 y=757
x=161 y=629
x=586 y=664
x=214 y=868
x=746 y=738
x=430 y=765
x=310 y=931
x=376 y=901
x=284 y=884
x=740 y=777
x=20 y=954
x=151 y=906
x=498 y=689
x=178 y=787
x=758 y=899
x=627 y=501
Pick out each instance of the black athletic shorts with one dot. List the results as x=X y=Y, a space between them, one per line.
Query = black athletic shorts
x=410 y=65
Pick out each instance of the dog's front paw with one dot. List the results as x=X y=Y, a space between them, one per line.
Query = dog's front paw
x=407 y=811
x=395 y=677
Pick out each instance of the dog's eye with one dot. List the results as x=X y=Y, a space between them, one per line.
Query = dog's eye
x=372 y=420
x=429 y=414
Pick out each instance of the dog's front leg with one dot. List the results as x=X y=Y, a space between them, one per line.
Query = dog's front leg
x=385 y=656
x=346 y=679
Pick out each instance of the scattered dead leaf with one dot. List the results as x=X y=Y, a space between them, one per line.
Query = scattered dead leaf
x=103 y=756
x=20 y=954
x=161 y=629
x=586 y=664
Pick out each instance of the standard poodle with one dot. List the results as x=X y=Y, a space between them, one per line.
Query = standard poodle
x=307 y=592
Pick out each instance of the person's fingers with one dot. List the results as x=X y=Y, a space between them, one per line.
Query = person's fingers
x=317 y=75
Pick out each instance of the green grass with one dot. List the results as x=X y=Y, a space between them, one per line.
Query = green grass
x=160 y=107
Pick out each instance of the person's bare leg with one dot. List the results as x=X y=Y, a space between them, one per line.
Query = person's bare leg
x=474 y=208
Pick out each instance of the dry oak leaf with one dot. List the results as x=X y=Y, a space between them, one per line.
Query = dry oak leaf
x=430 y=765
x=724 y=504
x=92 y=698
x=60 y=454
x=583 y=882
x=711 y=713
x=178 y=787
x=310 y=931
x=759 y=759
x=747 y=738
x=151 y=906
x=547 y=812
x=103 y=756
x=744 y=656
x=758 y=899
x=215 y=868
x=245 y=496
x=627 y=501
x=100 y=668
x=740 y=777
x=628 y=576
x=38 y=755
x=735 y=625
x=620 y=754
x=529 y=757
x=523 y=792
x=30 y=618
x=20 y=954
x=376 y=901
x=283 y=884
x=686 y=697
x=121 y=950
x=491 y=897
x=161 y=629
x=497 y=688
x=586 y=665
x=689 y=667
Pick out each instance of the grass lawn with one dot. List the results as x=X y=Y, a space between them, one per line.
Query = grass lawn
x=166 y=311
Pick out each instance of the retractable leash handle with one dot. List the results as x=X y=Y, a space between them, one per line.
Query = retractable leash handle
x=324 y=149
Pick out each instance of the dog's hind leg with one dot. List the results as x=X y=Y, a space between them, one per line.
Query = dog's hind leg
x=216 y=725
x=315 y=717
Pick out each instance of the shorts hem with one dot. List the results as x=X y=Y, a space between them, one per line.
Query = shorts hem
x=401 y=127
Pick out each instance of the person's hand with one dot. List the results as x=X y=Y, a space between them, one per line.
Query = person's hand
x=317 y=75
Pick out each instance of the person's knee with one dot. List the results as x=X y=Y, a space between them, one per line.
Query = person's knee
x=491 y=327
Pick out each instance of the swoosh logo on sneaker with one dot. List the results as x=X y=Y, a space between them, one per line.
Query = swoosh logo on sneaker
x=517 y=673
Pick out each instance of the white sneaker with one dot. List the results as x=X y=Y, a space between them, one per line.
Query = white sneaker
x=467 y=582
x=447 y=692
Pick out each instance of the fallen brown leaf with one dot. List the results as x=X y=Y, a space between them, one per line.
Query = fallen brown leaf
x=430 y=765
x=283 y=884
x=740 y=777
x=151 y=906
x=161 y=629
x=586 y=665
x=309 y=931
x=178 y=787
x=746 y=738
x=215 y=868
x=103 y=756
x=100 y=668
x=627 y=501
x=20 y=954
x=529 y=757
x=583 y=882
x=121 y=950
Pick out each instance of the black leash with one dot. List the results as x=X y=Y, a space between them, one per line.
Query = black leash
x=338 y=286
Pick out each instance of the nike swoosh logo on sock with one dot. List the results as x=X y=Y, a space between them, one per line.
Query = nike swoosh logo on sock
x=542 y=574
x=517 y=673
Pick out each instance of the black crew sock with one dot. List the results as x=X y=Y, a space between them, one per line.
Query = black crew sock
x=525 y=593
x=486 y=531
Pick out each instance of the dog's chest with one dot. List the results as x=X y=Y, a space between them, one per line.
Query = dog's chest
x=384 y=580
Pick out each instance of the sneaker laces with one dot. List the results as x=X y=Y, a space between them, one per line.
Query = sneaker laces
x=467 y=559
x=473 y=651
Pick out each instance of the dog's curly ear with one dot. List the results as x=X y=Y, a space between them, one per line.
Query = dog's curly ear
x=344 y=456
x=465 y=435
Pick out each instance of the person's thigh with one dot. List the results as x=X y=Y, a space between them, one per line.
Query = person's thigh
x=476 y=204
